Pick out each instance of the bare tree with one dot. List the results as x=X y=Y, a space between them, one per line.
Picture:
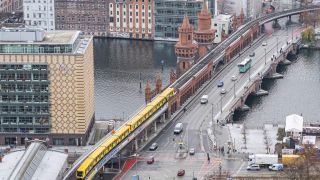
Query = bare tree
x=244 y=134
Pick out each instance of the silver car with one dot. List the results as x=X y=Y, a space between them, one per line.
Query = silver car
x=253 y=167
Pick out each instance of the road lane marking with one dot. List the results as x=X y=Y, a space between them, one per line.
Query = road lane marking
x=240 y=168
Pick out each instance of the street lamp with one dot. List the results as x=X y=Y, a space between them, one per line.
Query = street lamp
x=221 y=104
x=277 y=44
x=249 y=74
x=212 y=113
x=234 y=89
x=265 y=56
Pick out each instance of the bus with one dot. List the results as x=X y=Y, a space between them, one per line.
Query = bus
x=245 y=65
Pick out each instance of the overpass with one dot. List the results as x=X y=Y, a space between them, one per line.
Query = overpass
x=188 y=84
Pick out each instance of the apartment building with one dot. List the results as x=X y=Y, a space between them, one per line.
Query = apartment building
x=88 y=16
x=39 y=13
x=131 y=19
x=10 y=6
x=46 y=86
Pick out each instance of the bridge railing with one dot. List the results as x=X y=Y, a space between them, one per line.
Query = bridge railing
x=218 y=50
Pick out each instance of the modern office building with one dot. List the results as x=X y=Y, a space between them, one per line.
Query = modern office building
x=131 y=19
x=88 y=16
x=46 y=86
x=169 y=14
x=39 y=13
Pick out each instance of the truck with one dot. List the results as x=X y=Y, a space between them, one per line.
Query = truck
x=292 y=159
x=263 y=159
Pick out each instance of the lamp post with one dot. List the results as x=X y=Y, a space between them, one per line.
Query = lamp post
x=265 y=56
x=249 y=74
x=277 y=44
x=221 y=104
x=234 y=89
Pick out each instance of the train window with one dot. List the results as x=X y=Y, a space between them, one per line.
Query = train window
x=79 y=173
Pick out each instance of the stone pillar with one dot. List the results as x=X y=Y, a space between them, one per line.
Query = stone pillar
x=158 y=83
x=146 y=135
x=155 y=126
x=148 y=93
x=136 y=147
x=173 y=76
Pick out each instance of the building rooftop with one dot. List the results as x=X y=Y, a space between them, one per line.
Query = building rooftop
x=223 y=17
x=22 y=36
x=33 y=163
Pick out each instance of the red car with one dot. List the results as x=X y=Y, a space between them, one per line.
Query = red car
x=150 y=160
x=181 y=172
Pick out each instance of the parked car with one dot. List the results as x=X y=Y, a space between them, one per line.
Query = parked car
x=253 y=167
x=264 y=43
x=233 y=78
x=181 y=172
x=223 y=91
x=192 y=151
x=153 y=146
x=204 y=99
x=252 y=54
x=150 y=160
x=220 y=84
x=276 y=167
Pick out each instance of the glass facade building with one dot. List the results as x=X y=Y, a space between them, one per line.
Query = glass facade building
x=168 y=15
x=24 y=103
x=46 y=86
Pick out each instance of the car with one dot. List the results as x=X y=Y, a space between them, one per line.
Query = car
x=150 y=160
x=204 y=99
x=233 y=78
x=253 y=167
x=264 y=43
x=223 y=91
x=276 y=167
x=181 y=172
x=192 y=151
x=153 y=146
x=252 y=54
x=220 y=84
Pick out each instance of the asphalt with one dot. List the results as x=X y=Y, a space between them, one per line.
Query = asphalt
x=199 y=117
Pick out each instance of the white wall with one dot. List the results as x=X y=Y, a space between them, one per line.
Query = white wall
x=39 y=13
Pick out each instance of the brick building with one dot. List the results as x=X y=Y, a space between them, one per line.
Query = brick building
x=10 y=6
x=131 y=19
x=88 y=16
x=194 y=44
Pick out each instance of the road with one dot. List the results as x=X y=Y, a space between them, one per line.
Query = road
x=197 y=119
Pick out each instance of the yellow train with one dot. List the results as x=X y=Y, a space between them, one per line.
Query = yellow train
x=122 y=133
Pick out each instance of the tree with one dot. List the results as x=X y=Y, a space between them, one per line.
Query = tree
x=244 y=133
x=280 y=134
x=308 y=35
x=307 y=167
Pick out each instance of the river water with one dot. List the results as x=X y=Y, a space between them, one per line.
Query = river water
x=119 y=66
x=297 y=93
x=119 y=63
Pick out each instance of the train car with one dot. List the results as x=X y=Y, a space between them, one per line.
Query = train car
x=134 y=122
x=95 y=157
x=122 y=133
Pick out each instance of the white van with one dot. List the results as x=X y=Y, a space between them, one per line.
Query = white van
x=178 y=128
x=204 y=99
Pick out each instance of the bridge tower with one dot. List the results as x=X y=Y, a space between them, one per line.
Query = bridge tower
x=186 y=49
x=204 y=35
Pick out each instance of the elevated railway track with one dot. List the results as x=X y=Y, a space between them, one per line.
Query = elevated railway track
x=92 y=161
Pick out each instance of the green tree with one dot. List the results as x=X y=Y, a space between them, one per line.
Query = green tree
x=281 y=134
x=308 y=35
